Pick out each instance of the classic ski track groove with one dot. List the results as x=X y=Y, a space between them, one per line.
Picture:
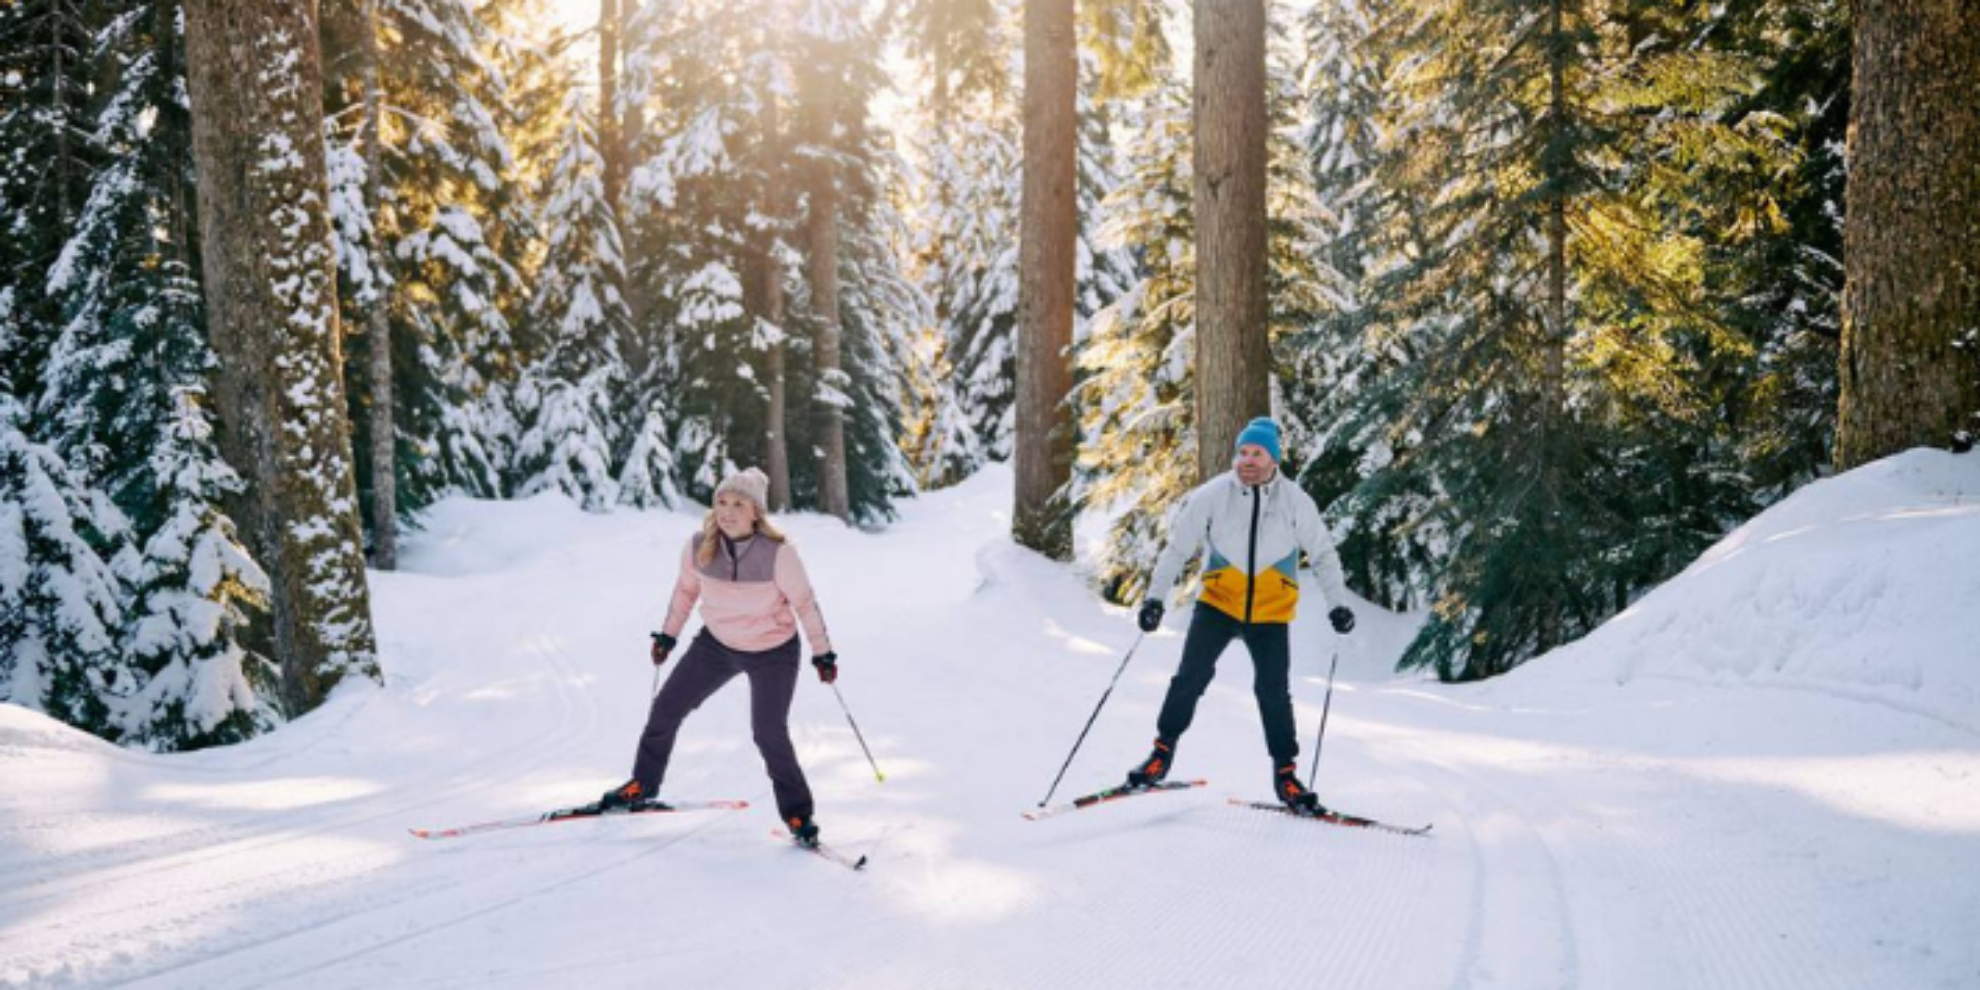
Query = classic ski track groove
x=206 y=896
x=391 y=916
x=137 y=858
x=1537 y=887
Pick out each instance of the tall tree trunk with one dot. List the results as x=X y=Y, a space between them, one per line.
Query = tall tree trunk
x=777 y=456
x=179 y=194
x=377 y=322
x=632 y=123
x=1911 y=231
x=611 y=145
x=822 y=263
x=255 y=78
x=1048 y=228
x=822 y=273
x=1554 y=355
x=1233 y=356
x=633 y=91
x=1555 y=325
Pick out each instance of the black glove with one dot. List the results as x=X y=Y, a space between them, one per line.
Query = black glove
x=1151 y=615
x=1342 y=619
x=828 y=666
x=663 y=644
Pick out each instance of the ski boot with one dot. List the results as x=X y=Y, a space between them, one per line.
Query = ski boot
x=1293 y=794
x=804 y=831
x=1152 y=770
x=624 y=797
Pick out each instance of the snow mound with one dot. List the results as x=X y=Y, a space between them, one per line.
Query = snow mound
x=1866 y=584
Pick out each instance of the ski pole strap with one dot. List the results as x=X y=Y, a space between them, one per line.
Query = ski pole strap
x=1090 y=719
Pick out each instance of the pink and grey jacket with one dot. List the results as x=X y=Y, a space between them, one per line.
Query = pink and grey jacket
x=748 y=596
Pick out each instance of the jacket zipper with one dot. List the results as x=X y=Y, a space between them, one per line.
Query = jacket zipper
x=1251 y=555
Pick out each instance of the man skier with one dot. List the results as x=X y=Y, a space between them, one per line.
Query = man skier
x=1252 y=523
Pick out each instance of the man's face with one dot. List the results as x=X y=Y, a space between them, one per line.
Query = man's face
x=1254 y=465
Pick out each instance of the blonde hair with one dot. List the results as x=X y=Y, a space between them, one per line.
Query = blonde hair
x=710 y=533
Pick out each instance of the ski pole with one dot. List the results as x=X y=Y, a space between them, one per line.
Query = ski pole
x=1090 y=719
x=1313 y=777
x=877 y=775
x=654 y=692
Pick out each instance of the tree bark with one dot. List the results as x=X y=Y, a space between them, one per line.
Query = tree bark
x=1911 y=231
x=611 y=146
x=777 y=455
x=1233 y=356
x=255 y=79
x=1048 y=229
x=377 y=321
x=822 y=272
x=1554 y=346
x=822 y=262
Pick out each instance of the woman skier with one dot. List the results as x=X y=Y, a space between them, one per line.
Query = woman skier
x=753 y=593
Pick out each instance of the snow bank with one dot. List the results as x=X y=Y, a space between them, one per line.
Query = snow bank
x=1866 y=585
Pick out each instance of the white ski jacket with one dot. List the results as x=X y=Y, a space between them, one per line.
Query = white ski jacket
x=1254 y=537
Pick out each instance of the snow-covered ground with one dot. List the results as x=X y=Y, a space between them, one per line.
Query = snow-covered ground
x=1766 y=774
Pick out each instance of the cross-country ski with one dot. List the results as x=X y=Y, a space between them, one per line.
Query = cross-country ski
x=1109 y=795
x=1332 y=817
x=825 y=851
x=586 y=812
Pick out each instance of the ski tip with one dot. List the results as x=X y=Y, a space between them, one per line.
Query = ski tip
x=860 y=864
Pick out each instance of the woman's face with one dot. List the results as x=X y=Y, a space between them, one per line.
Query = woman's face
x=735 y=515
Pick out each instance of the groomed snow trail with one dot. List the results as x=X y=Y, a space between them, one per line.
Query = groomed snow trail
x=1663 y=832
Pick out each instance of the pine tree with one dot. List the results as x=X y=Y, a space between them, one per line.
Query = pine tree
x=565 y=400
x=59 y=609
x=1336 y=417
x=196 y=588
x=434 y=232
x=882 y=310
x=966 y=203
x=1137 y=397
x=1787 y=239
x=121 y=404
x=708 y=210
x=46 y=81
x=832 y=94
x=1539 y=332
x=733 y=264
x=1140 y=456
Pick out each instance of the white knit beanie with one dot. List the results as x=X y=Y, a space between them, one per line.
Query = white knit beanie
x=750 y=483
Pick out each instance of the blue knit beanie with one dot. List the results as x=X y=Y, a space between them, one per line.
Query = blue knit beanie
x=1263 y=432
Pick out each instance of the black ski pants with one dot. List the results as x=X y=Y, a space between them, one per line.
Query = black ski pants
x=1210 y=631
x=707 y=666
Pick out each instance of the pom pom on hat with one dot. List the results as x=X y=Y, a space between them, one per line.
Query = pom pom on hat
x=750 y=483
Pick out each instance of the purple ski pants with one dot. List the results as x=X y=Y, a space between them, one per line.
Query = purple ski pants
x=707 y=666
